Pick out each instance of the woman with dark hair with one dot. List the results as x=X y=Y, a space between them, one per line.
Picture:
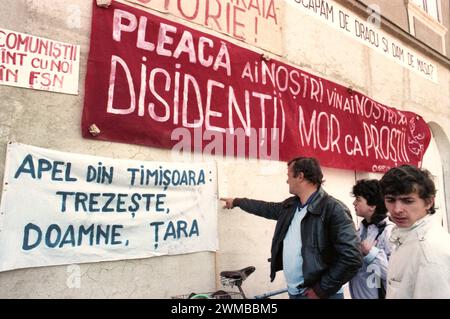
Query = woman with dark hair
x=420 y=263
x=374 y=232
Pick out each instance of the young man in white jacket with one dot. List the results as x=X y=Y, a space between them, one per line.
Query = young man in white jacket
x=419 y=266
x=374 y=232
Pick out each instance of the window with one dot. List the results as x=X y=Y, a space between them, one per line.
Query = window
x=425 y=23
x=429 y=6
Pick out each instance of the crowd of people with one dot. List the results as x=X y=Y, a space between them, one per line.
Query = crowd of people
x=400 y=249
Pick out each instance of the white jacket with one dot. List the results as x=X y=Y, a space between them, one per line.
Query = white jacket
x=419 y=266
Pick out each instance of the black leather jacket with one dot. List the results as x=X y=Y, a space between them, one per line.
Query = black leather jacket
x=330 y=245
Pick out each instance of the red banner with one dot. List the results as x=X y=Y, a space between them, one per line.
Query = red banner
x=154 y=82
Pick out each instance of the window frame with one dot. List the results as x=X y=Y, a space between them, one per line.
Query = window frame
x=415 y=12
x=425 y=4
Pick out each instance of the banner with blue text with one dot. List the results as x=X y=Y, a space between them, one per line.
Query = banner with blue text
x=64 y=208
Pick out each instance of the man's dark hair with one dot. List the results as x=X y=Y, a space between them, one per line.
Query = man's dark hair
x=370 y=189
x=407 y=179
x=310 y=168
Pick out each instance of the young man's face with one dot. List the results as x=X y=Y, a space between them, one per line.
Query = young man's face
x=407 y=209
x=362 y=209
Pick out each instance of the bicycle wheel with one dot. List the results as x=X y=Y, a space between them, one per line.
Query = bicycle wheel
x=220 y=294
x=199 y=296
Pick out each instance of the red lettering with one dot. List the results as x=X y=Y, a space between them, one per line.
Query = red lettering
x=271 y=12
x=251 y=5
x=194 y=16
x=237 y=24
x=213 y=17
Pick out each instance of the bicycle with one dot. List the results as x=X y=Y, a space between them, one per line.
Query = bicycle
x=230 y=279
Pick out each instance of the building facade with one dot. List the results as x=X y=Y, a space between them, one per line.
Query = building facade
x=396 y=53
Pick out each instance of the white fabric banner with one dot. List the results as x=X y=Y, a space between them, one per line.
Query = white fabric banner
x=63 y=208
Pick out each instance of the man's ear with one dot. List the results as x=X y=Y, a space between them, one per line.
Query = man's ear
x=429 y=202
x=300 y=176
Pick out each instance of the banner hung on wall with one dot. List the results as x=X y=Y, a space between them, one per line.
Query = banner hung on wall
x=154 y=82
x=38 y=63
x=63 y=208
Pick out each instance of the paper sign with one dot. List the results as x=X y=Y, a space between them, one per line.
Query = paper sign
x=38 y=63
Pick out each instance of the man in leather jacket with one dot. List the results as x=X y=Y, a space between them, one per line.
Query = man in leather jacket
x=315 y=241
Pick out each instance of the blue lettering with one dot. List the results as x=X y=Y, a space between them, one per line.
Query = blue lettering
x=48 y=236
x=55 y=238
x=160 y=201
x=106 y=207
x=184 y=180
x=69 y=237
x=115 y=233
x=201 y=178
x=64 y=198
x=166 y=178
x=99 y=174
x=80 y=199
x=43 y=166
x=135 y=203
x=69 y=178
x=93 y=202
x=56 y=171
x=86 y=231
x=181 y=227
x=156 y=225
x=111 y=202
x=133 y=174
x=191 y=178
x=194 y=229
x=28 y=160
x=148 y=197
x=177 y=230
x=170 y=231
x=175 y=177
x=101 y=233
x=120 y=203
x=107 y=176
x=26 y=236
x=91 y=174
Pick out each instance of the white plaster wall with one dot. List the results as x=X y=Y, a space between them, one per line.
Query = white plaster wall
x=52 y=120
x=432 y=161
x=245 y=239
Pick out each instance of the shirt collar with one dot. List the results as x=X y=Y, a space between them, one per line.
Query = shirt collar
x=301 y=206
x=420 y=228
